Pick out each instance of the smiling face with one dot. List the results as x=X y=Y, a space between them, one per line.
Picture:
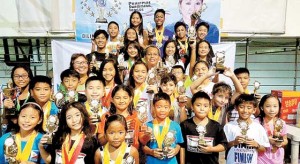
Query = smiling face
x=271 y=107
x=200 y=69
x=132 y=51
x=136 y=20
x=41 y=92
x=29 y=118
x=162 y=109
x=152 y=56
x=115 y=134
x=140 y=73
x=187 y=8
x=245 y=110
x=131 y=35
x=220 y=99
x=94 y=90
x=201 y=107
x=159 y=19
x=203 y=49
x=109 y=71
x=74 y=119
x=168 y=88
x=170 y=49
x=71 y=83
x=80 y=65
x=21 y=77
x=121 y=100
x=101 y=41
x=113 y=30
x=181 y=32
x=202 y=32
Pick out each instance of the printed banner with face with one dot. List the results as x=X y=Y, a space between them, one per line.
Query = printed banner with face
x=96 y=14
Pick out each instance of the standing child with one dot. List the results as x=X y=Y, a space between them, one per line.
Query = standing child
x=116 y=150
x=74 y=141
x=246 y=138
x=41 y=90
x=270 y=110
x=166 y=133
x=212 y=132
x=27 y=135
x=94 y=89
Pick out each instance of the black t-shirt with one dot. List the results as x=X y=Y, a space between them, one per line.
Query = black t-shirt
x=213 y=131
x=88 y=150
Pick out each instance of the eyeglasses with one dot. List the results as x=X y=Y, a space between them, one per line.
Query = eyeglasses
x=20 y=76
x=80 y=63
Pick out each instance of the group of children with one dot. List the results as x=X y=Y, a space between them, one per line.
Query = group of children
x=155 y=110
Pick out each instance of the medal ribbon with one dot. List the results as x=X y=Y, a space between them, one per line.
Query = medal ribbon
x=106 y=158
x=161 y=136
x=24 y=155
x=216 y=115
x=159 y=36
x=130 y=63
x=18 y=101
x=46 y=114
x=106 y=99
x=69 y=156
x=137 y=94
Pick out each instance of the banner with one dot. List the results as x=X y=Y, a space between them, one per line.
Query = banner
x=95 y=14
x=62 y=51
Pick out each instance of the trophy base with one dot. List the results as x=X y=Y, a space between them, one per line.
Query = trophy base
x=149 y=91
x=220 y=69
x=11 y=112
x=101 y=20
x=49 y=140
x=279 y=139
x=121 y=68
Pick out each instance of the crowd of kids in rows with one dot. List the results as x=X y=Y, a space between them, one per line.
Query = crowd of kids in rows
x=162 y=104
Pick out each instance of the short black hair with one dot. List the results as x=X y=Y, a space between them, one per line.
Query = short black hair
x=161 y=96
x=178 y=67
x=111 y=22
x=179 y=24
x=200 y=94
x=245 y=98
x=94 y=78
x=159 y=11
x=69 y=73
x=115 y=117
x=202 y=24
x=100 y=31
x=39 y=79
x=241 y=70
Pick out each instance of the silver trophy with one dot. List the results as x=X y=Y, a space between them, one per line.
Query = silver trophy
x=192 y=34
x=100 y=5
x=256 y=87
x=51 y=128
x=141 y=109
x=196 y=15
x=129 y=160
x=278 y=126
x=181 y=89
x=59 y=100
x=95 y=105
x=121 y=62
x=244 y=126
x=150 y=30
x=11 y=149
x=95 y=63
x=167 y=143
x=170 y=62
x=194 y=78
x=70 y=96
x=151 y=79
x=202 y=131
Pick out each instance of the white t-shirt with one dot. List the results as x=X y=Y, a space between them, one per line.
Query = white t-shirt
x=243 y=154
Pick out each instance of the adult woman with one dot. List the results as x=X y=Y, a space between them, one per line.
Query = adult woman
x=79 y=63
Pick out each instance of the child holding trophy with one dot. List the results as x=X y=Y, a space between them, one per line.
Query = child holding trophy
x=204 y=138
x=275 y=128
x=74 y=141
x=41 y=90
x=94 y=89
x=116 y=150
x=246 y=138
x=22 y=146
x=164 y=145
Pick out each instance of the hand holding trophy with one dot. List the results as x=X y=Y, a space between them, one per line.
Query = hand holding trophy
x=121 y=62
x=150 y=30
x=202 y=131
x=51 y=128
x=95 y=106
x=94 y=63
x=196 y=15
x=278 y=126
x=142 y=114
x=167 y=143
x=181 y=92
x=11 y=149
x=244 y=126
x=10 y=93
x=220 y=61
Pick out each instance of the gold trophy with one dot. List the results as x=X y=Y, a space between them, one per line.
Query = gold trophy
x=244 y=126
x=51 y=128
x=202 y=131
x=278 y=126
x=11 y=149
x=141 y=109
x=181 y=90
x=151 y=79
x=95 y=63
x=10 y=93
x=256 y=86
x=167 y=143
x=220 y=60
x=196 y=15
x=121 y=62
x=192 y=34
x=95 y=105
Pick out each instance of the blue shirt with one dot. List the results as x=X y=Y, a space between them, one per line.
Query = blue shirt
x=35 y=155
x=167 y=35
x=174 y=126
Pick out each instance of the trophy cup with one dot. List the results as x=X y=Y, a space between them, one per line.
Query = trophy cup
x=256 y=87
x=167 y=143
x=150 y=30
x=51 y=127
x=121 y=36
x=10 y=93
x=129 y=160
x=95 y=105
x=95 y=63
x=220 y=60
x=151 y=79
x=70 y=96
x=181 y=90
x=278 y=126
x=142 y=114
x=161 y=70
x=244 y=126
x=194 y=78
x=202 y=131
x=121 y=62
x=196 y=15
x=11 y=149
x=170 y=62
x=192 y=34
x=59 y=100
x=100 y=5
